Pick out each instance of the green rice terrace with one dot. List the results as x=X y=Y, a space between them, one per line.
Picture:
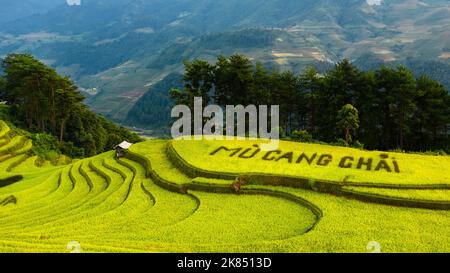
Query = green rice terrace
x=224 y=196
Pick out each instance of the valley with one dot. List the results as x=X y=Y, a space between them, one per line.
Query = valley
x=136 y=44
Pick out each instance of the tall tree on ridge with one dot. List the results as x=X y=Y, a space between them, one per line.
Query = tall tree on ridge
x=348 y=121
x=397 y=87
x=199 y=80
x=67 y=100
x=310 y=84
x=432 y=114
x=340 y=86
x=233 y=80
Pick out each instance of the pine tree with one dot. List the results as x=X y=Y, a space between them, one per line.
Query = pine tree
x=432 y=114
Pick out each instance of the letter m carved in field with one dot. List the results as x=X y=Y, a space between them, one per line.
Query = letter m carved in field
x=233 y=151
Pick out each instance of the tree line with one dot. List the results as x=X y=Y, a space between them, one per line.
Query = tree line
x=385 y=108
x=41 y=101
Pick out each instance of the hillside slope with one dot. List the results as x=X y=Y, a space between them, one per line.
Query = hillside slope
x=13 y=10
x=153 y=200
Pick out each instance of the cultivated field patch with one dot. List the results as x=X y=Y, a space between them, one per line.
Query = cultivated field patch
x=223 y=196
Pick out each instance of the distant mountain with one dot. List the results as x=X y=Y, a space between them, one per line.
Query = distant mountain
x=123 y=47
x=11 y=10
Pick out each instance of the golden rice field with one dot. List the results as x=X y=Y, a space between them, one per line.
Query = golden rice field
x=223 y=196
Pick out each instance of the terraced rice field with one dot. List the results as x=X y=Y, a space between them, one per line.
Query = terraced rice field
x=176 y=196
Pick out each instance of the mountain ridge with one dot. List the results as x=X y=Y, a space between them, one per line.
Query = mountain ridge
x=120 y=48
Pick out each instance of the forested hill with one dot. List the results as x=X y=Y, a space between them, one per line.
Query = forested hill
x=152 y=111
x=43 y=102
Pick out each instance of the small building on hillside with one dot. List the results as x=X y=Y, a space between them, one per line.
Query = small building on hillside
x=122 y=148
